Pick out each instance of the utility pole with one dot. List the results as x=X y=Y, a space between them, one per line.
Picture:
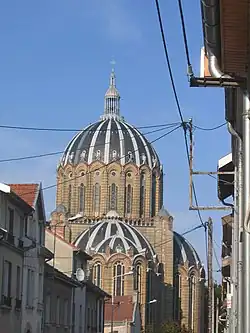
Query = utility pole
x=210 y=275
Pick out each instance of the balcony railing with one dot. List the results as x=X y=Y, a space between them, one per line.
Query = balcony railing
x=6 y=300
x=18 y=304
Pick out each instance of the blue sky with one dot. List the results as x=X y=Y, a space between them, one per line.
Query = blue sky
x=54 y=68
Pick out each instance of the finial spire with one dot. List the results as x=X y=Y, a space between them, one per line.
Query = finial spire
x=112 y=97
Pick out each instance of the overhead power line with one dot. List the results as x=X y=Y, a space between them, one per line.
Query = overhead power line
x=25 y=128
x=101 y=167
x=211 y=128
x=47 y=129
x=188 y=231
x=30 y=157
x=190 y=70
x=184 y=125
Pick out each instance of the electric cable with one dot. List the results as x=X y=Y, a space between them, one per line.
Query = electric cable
x=40 y=129
x=211 y=128
x=188 y=231
x=190 y=70
x=101 y=167
x=76 y=130
x=22 y=158
x=184 y=124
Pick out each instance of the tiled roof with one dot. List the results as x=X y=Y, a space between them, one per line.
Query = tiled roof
x=123 y=309
x=28 y=192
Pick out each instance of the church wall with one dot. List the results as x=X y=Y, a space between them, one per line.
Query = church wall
x=73 y=176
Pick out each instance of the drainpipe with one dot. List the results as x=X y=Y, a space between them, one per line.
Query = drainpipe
x=246 y=204
x=210 y=10
x=237 y=253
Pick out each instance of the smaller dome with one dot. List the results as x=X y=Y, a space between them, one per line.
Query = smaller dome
x=184 y=251
x=117 y=236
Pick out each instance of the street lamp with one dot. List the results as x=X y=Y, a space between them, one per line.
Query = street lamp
x=112 y=301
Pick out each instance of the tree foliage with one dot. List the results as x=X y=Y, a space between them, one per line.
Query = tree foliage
x=172 y=327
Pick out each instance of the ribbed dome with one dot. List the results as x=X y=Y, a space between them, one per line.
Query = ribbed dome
x=117 y=235
x=184 y=251
x=110 y=140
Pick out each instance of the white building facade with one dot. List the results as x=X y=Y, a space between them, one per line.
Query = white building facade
x=13 y=210
x=34 y=257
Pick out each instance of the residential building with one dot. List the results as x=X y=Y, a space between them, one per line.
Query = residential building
x=88 y=299
x=35 y=253
x=13 y=212
x=109 y=203
x=225 y=64
x=125 y=313
x=58 y=301
x=95 y=308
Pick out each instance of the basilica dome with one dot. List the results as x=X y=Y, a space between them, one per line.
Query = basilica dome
x=111 y=139
x=113 y=234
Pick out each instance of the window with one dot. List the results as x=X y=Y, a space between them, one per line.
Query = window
x=30 y=288
x=47 y=309
x=192 y=295
x=177 y=297
x=58 y=310
x=69 y=198
x=18 y=282
x=153 y=196
x=80 y=319
x=113 y=197
x=40 y=288
x=11 y=221
x=137 y=279
x=88 y=319
x=97 y=197
x=97 y=274
x=142 y=194
x=7 y=272
x=118 y=279
x=26 y=226
x=65 y=316
x=81 y=198
x=41 y=233
x=21 y=230
x=129 y=199
x=100 y=319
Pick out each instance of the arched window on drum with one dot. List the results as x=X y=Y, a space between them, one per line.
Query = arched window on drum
x=142 y=193
x=153 y=196
x=128 y=199
x=69 y=198
x=113 y=192
x=81 y=198
x=97 y=198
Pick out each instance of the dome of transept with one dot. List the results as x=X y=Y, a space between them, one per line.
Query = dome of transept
x=184 y=252
x=116 y=236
